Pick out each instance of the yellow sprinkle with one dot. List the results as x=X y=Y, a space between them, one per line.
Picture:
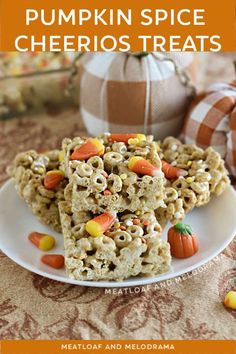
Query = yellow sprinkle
x=40 y=170
x=157 y=147
x=123 y=176
x=61 y=156
x=138 y=212
x=189 y=179
x=134 y=141
x=141 y=137
x=116 y=225
x=189 y=163
x=230 y=300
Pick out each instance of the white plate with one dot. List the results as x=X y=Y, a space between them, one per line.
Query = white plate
x=215 y=224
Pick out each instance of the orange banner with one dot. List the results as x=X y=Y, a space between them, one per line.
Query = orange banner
x=112 y=347
x=117 y=25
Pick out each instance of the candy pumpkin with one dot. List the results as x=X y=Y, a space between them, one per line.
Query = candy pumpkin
x=211 y=121
x=183 y=242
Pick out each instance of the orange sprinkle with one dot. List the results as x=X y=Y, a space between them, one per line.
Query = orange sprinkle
x=136 y=221
x=107 y=192
x=104 y=174
x=108 y=234
x=123 y=228
x=143 y=240
x=146 y=222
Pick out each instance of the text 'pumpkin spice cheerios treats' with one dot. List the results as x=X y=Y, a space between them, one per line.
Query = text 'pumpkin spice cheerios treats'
x=193 y=176
x=128 y=245
x=113 y=172
x=41 y=183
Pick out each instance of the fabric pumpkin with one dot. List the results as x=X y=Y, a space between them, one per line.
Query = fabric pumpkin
x=211 y=121
x=131 y=93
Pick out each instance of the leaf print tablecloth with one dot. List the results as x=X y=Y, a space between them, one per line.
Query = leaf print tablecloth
x=33 y=307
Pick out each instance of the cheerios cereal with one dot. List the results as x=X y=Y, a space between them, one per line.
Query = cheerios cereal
x=106 y=182
x=206 y=176
x=28 y=172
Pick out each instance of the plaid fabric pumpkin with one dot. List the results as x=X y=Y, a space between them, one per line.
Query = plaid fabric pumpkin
x=211 y=121
x=135 y=92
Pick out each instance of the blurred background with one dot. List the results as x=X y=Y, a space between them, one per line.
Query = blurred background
x=36 y=110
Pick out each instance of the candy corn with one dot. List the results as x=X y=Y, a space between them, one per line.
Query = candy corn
x=230 y=300
x=172 y=172
x=42 y=241
x=53 y=178
x=141 y=166
x=100 y=224
x=53 y=260
x=124 y=138
x=92 y=147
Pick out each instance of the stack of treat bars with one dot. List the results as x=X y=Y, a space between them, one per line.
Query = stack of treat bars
x=112 y=195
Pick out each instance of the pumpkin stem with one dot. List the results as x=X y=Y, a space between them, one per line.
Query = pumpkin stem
x=139 y=54
x=183 y=229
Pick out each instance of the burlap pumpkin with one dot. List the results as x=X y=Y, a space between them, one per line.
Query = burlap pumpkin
x=138 y=92
x=211 y=121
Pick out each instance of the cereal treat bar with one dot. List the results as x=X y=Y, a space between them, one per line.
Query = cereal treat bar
x=40 y=183
x=128 y=148
x=111 y=175
x=193 y=175
x=130 y=246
